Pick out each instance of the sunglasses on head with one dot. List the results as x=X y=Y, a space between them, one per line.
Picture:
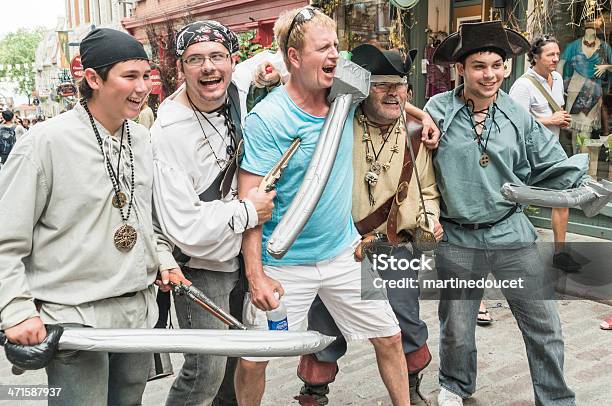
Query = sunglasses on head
x=305 y=14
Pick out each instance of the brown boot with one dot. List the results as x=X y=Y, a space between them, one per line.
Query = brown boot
x=416 y=397
x=313 y=395
x=418 y=360
x=316 y=375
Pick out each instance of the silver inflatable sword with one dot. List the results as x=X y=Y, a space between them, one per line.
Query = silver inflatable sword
x=233 y=343
x=591 y=197
x=351 y=85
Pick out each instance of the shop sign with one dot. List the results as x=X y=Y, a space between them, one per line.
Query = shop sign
x=66 y=89
x=156 y=81
x=76 y=68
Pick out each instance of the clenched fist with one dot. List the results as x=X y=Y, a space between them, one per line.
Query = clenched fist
x=263 y=204
x=28 y=332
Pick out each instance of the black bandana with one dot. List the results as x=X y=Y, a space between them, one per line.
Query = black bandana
x=105 y=46
x=205 y=31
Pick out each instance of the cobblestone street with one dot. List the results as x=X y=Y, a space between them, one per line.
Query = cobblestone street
x=503 y=372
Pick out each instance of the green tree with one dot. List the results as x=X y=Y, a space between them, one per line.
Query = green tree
x=18 y=50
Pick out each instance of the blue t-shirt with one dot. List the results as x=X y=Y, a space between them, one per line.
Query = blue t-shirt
x=268 y=131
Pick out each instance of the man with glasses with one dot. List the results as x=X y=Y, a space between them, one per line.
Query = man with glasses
x=380 y=148
x=321 y=259
x=196 y=141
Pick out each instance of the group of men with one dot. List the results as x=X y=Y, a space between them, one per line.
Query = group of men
x=92 y=208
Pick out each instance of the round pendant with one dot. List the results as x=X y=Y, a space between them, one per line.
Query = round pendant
x=371 y=178
x=119 y=200
x=376 y=167
x=125 y=238
x=230 y=150
x=484 y=160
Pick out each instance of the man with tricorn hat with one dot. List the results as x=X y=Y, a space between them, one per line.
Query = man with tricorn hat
x=382 y=169
x=78 y=246
x=487 y=140
x=196 y=142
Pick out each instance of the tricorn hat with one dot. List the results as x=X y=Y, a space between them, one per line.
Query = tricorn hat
x=474 y=37
x=381 y=62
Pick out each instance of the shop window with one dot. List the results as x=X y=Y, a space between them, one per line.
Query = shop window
x=586 y=67
x=366 y=22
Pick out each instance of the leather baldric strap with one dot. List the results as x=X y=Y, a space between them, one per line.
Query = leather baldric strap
x=388 y=211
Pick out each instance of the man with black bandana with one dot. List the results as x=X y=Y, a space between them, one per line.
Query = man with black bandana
x=487 y=140
x=196 y=141
x=78 y=246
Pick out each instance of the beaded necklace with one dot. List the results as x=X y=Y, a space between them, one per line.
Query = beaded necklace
x=231 y=130
x=126 y=235
x=376 y=168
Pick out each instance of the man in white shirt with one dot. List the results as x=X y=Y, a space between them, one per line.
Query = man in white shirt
x=544 y=56
x=196 y=141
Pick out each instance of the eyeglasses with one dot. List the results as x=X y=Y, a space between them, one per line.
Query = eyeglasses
x=198 y=60
x=386 y=86
x=305 y=14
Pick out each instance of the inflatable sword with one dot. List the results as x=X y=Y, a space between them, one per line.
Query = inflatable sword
x=351 y=85
x=591 y=197
x=233 y=343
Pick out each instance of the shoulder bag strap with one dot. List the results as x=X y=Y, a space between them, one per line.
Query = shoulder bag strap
x=551 y=102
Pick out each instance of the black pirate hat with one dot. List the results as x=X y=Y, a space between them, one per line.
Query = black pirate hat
x=474 y=37
x=381 y=62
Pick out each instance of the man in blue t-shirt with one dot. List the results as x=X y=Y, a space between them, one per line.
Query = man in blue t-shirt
x=321 y=259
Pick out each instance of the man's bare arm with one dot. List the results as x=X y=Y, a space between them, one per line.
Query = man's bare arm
x=430 y=134
x=261 y=286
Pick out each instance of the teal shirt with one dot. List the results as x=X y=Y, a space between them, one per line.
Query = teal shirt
x=522 y=151
x=268 y=131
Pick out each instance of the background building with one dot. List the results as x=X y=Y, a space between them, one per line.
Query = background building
x=60 y=45
x=239 y=15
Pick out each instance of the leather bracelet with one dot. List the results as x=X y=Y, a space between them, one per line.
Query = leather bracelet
x=246 y=226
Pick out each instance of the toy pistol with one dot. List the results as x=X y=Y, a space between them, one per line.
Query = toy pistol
x=269 y=181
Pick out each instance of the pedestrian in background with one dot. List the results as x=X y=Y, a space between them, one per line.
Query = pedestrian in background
x=540 y=91
x=8 y=135
x=146 y=116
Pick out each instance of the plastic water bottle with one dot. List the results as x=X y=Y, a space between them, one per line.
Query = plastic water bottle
x=277 y=318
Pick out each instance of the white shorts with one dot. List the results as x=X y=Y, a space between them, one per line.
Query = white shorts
x=338 y=283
